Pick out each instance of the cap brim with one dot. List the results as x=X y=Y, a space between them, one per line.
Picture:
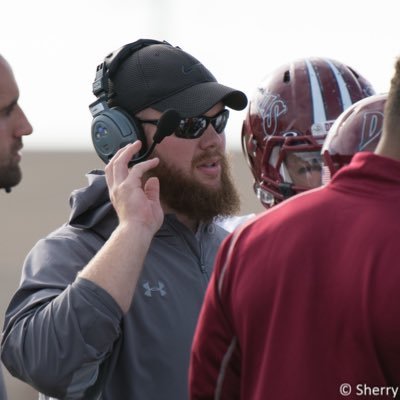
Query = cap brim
x=198 y=99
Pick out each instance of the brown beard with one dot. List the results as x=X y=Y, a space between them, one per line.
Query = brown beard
x=196 y=200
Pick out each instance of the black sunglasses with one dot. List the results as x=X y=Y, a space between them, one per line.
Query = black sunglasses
x=194 y=127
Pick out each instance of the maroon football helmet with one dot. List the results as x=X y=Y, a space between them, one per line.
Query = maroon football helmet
x=357 y=129
x=287 y=122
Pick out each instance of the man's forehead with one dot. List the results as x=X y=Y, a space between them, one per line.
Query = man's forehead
x=149 y=113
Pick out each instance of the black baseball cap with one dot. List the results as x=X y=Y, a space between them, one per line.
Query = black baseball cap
x=162 y=76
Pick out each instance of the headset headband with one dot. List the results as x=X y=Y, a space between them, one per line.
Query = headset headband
x=112 y=61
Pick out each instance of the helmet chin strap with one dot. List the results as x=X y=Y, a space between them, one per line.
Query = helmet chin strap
x=286 y=188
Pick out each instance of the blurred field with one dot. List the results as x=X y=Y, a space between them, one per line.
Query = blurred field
x=40 y=204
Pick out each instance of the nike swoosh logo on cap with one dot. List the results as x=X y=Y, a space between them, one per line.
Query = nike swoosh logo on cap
x=189 y=69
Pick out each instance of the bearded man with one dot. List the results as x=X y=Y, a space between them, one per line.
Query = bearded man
x=108 y=303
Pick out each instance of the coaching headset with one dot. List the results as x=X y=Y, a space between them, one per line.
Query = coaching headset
x=113 y=128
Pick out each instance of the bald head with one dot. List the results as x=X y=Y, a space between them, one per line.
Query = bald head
x=5 y=68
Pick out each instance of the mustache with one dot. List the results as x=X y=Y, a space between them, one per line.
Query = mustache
x=207 y=155
x=17 y=145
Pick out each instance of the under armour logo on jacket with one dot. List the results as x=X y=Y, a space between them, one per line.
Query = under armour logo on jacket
x=149 y=289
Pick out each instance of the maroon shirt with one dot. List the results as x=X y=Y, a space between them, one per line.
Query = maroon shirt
x=304 y=301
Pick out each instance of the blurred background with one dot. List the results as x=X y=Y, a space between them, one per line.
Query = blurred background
x=54 y=48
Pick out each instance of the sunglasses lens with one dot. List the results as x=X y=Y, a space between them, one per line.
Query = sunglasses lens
x=219 y=122
x=193 y=128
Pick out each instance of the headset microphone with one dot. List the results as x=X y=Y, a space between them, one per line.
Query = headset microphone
x=166 y=126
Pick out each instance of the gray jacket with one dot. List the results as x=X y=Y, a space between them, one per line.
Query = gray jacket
x=68 y=338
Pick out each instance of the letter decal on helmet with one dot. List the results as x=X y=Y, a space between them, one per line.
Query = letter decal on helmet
x=270 y=109
x=371 y=128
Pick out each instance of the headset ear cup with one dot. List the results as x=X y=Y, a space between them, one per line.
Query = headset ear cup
x=137 y=129
x=113 y=129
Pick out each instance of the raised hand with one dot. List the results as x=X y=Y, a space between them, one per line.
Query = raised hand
x=135 y=201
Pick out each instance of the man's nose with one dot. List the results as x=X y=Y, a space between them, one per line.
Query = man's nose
x=23 y=126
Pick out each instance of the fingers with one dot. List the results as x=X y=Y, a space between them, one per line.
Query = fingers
x=127 y=189
x=122 y=154
x=152 y=189
x=118 y=165
x=117 y=169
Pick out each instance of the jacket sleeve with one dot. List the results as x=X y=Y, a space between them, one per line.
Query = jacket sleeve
x=59 y=329
x=214 y=371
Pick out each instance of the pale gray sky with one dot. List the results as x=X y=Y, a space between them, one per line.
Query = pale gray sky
x=54 y=47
